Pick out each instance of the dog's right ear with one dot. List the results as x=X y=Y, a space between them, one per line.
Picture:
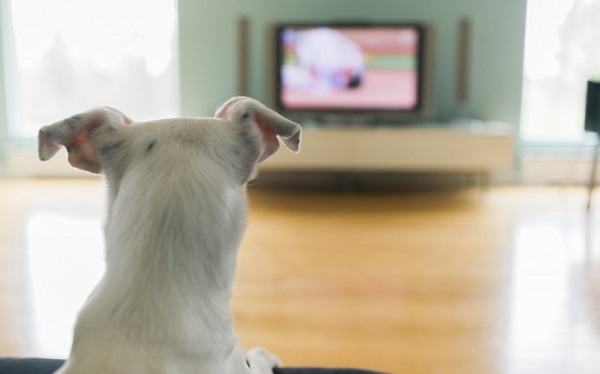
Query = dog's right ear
x=74 y=134
x=271 y=124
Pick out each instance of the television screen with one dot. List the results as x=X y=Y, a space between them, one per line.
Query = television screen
x=350 y=68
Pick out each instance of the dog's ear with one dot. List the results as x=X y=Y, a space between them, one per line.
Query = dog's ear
x=74 y=134
x=271 y=124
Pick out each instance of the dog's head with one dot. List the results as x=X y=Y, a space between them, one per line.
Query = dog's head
x=103 y=140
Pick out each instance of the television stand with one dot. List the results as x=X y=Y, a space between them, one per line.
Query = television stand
x=441 y=148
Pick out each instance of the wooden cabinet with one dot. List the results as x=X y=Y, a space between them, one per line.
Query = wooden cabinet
x=427 y=148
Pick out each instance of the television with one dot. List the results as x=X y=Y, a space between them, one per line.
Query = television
x=376 y=73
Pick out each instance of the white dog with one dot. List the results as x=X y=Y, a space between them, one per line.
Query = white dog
x=176 y=216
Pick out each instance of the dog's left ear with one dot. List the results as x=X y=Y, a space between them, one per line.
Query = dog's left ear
x=74 y=134
x=271 y=124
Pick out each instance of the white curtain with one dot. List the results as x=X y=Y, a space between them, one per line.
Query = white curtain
x=562 y=52
x=71 y=55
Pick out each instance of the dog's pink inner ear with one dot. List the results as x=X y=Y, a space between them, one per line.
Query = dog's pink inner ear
x=271 y=141
x=82 y=154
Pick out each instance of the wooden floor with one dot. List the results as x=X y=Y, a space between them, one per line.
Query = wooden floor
x=505 y=281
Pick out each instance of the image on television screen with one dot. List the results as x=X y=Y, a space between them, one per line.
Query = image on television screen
x=349 y=68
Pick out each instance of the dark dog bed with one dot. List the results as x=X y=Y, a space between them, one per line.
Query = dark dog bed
x=49 y=366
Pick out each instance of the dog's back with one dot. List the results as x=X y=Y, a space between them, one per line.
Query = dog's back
x=176 y=215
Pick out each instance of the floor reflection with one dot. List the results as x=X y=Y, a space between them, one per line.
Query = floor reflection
x=551 y=318
x=66 y=261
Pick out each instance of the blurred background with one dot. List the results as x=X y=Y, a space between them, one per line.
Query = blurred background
x=461 y=240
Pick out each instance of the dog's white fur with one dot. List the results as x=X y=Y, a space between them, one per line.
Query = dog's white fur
x=176 y=216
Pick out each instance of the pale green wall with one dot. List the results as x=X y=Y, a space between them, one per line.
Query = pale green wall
x=3 y=114
x=209 y=56
x=3 y=86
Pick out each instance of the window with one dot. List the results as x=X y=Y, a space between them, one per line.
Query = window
x=71 y=55
x=561 y=55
